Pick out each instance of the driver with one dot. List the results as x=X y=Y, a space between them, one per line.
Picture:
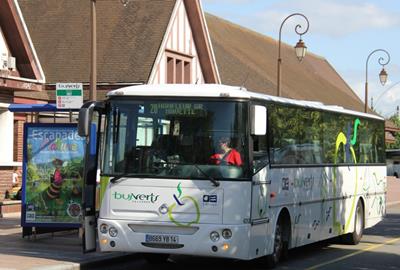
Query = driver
x=227 y=155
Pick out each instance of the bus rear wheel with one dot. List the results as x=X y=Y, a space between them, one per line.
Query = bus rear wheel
x=355 y=237
x=280 y=245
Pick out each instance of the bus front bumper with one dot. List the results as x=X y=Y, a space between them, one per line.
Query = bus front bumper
x=129 y=236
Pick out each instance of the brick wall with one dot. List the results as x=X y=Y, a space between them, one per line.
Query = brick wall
x=5 y=180
x=18 y=140
x=6 y=97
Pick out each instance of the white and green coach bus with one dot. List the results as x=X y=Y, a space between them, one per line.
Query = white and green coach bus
x=306 y=172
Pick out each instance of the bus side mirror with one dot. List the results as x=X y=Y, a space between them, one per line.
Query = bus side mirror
x=258 y=120
x=85 y=118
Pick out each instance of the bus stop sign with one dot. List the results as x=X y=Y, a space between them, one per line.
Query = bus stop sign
x=69 y=95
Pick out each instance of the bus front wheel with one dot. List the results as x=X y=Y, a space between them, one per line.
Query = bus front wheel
x=355 y=237
x=280 y=245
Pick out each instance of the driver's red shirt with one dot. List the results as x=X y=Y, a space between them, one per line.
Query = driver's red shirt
x=232 y=158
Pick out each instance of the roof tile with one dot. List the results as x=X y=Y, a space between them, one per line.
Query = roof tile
x=128 y=38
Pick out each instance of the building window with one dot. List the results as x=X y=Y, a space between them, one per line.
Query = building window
x=178 y=68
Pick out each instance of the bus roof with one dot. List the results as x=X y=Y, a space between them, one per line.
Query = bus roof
x=225 y=91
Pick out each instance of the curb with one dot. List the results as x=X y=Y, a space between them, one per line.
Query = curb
x=91 y=264
x=392 y=203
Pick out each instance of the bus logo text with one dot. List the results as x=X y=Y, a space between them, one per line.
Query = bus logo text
x=145 y=198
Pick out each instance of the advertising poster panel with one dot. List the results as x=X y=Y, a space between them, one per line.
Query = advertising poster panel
x=53 y=175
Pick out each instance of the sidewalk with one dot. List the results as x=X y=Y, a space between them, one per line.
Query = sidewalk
x=393 y=191
x=61 y=251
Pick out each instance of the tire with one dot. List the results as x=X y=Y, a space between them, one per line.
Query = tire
x=396 y=175
x=355 y=237
x=280 y=245
x=153 y=258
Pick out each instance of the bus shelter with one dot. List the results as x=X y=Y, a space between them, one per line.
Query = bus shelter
x=52 y=169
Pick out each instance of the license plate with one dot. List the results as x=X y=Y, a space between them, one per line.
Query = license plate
x=160 y=238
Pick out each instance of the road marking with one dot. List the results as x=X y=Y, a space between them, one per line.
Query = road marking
x=369 y=244
x=372 y=247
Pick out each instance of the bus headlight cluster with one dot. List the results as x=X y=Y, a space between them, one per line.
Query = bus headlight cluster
x=226 y=233
x=103 y=228
x=113 y=232
x=214 y=236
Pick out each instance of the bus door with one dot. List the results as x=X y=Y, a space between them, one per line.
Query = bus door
x=89 y=127
x=260 y=183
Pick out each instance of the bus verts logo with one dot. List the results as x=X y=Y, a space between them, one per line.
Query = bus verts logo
x=136 y=198
x=180 y=201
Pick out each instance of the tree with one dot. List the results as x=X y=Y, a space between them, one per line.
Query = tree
x=396 y=120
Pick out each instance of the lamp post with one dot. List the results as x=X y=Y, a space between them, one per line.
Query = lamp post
x=93 y=53
x=300 y=47
x=93 y=50
x=382 y=75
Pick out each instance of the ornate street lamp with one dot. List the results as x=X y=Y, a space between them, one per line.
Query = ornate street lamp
x=300 y=47
x=382 y=75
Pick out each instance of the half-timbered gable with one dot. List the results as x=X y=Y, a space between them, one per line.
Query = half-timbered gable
x=184 y=54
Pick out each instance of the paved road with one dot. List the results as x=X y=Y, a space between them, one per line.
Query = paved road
x=379 y=249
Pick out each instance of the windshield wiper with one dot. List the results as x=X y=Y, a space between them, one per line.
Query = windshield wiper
x=209 y=177
x=215 y=182
x=118 y=177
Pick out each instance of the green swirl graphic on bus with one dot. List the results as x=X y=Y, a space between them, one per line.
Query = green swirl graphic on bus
x=348 y=144
x=181 y=201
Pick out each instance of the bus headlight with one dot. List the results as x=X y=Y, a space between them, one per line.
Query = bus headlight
x=227 y=233
x=113 y=232
x=214 y=236
x=103 y=228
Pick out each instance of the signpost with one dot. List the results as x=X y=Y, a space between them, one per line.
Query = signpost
x=69 y=95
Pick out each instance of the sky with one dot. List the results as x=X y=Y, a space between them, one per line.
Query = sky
x=345 y=32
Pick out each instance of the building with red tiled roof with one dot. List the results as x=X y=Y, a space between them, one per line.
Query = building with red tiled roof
x=143 y=42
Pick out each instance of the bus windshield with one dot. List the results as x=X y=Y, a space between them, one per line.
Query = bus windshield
x=176 y=139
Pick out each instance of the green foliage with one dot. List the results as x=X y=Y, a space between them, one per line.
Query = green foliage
x=32 y=172
x=73 y=169
x=396 y=145
x=306 y=136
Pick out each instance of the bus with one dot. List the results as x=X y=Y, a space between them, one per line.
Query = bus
x=302 y=172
